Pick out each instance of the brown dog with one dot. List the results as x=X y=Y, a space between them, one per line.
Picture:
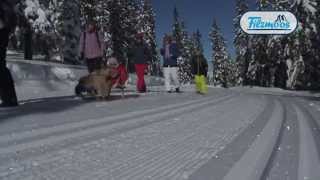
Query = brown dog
x=97 y=83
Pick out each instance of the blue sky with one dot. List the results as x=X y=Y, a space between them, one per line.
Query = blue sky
x=197 y=15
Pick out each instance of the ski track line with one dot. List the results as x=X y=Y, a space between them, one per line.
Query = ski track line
x=274 y=152
x=253 y=163
x=101 y=105
x=283 y=163
x=174 y=170
x=159 y=168
x=309 y=163
x=163 y=165
x=50 y=161
x=314 y=111
x=181 y=171
x=219 y=165
x=133 y=170
x=314 y=121
x=60 y=129
x=54 y=157
x=86 y=129
x=155 y=153
x=146 y=156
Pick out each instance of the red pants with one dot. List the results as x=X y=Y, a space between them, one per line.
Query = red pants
x=123 y=76
x=140 y=70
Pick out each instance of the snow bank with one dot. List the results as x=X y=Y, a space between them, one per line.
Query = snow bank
x=277 y=91
x=38 y=79
x=35 y=79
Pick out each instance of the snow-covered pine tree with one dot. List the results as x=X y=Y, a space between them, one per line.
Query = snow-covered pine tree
x=177 y=30
x=148 y=26
x=71 y=30
x=88 y=9
x=116 y=30
x=35 y=12
x=220 y=57
x=196 y=40
x=316 y=46
x=233 y=73
x=301 y=66
x=185 y=60
x=242 y=45
x=280 y=5
x=124 y=26
x=40 y=21
x=54 y=36
x=181 y=36
x=259 y=74
x=276 y=50
x=103 y=19
x=195 y=44
x=33 y=22
x=313 y=61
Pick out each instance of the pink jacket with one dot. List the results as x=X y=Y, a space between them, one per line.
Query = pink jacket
x=92 y=49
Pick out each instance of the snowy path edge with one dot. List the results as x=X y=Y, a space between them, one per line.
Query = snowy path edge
x=252 y=164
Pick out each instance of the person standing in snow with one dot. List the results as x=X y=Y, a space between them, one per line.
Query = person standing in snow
x=200 y=71
x=170 y=53
x=92 y=47
x=7 y=25
x=140 y=55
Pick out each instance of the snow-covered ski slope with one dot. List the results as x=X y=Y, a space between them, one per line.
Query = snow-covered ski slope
x=240 y=133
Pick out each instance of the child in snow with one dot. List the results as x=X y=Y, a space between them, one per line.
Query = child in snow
x=92 y=47
x=170 y=53
x=200 y=70
x=122 y=74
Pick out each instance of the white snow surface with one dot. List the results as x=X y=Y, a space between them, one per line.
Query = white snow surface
x=152 y=136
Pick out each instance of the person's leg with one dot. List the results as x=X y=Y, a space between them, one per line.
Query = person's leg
x=174 y=74
x=137 y=74
x=123 y=75
x=167 y=78
x=197 y=82
x=90 y=65
x=7 y=90
x=203 y=85
x=140 y=68
x=143 y=82
x=97 y=64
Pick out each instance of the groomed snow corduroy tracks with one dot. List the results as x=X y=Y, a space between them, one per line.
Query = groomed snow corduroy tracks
x=224 y=135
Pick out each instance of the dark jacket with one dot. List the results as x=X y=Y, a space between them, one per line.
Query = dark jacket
x=199 y=65
x=174 y=52
x=8 y=18
x=8 y=15
x=140 y=54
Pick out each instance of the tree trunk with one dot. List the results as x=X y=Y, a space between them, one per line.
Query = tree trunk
x=28 y=50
